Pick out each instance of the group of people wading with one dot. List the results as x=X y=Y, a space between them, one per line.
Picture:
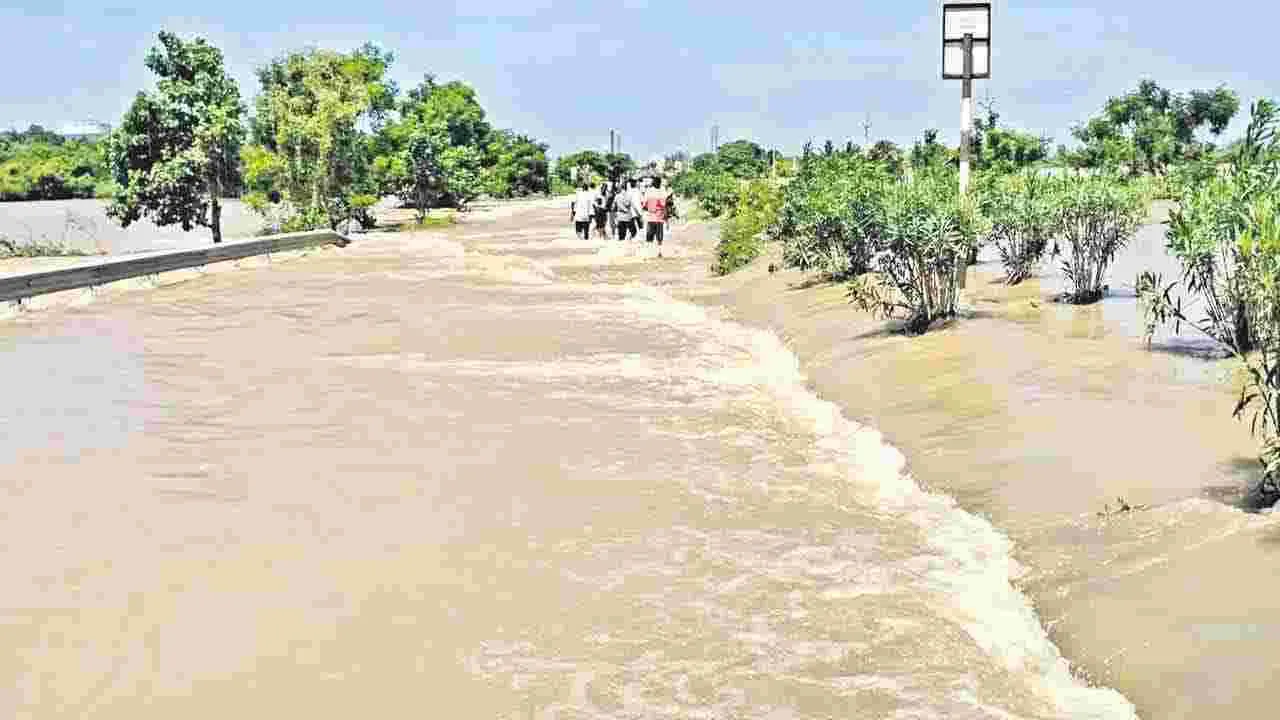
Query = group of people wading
x=623 y=209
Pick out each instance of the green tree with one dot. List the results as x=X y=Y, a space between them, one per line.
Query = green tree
x=928 y=152
x=435 y=152
x=1150 y=128
x=589 y=161
x=33 y=168
x=705 y=162
x=175 y=145
x=1004 y=149
x=889 y=155
x=618 y=165
x=742 y=158
x=307 y=119
x=515 y=166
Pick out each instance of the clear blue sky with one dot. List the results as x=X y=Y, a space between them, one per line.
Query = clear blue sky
x=663 y=72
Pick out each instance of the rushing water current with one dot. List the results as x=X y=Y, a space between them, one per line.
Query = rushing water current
x=497 y=472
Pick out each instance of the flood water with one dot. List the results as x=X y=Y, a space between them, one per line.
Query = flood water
x=1041 y=416
x=83 y=225
x=496 y=472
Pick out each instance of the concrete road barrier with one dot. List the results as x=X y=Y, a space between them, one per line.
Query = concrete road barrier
x=18 y=287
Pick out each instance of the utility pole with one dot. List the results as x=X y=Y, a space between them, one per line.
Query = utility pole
x=866 y=129
x=611 y=136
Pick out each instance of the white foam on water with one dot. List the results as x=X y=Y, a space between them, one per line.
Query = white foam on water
x=973 y=566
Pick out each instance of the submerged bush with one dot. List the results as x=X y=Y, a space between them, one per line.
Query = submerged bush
x=742 y=231
x=1097 y=216
x=926 y=232
x=1226 y=234
x=1022 y=212
x=829 y=215
x=715 y=190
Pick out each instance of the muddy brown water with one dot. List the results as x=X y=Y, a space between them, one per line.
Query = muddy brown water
x=501 y=472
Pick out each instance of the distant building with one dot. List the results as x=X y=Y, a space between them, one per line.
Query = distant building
x=84 y=130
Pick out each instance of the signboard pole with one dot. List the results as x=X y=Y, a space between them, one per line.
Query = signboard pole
x=966 y=132
x=966 y=113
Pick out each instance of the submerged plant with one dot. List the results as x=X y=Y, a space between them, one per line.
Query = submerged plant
x=925 y=234
x=742 y=231
x=1096 y=216
x=829 y=215
x=1227 y=237
x=1022 y=212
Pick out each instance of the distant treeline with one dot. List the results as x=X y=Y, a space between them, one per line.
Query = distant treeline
x=41 y=165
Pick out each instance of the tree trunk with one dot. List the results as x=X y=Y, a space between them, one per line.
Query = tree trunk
x=215 y=210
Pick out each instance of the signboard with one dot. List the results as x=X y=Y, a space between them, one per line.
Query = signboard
x=953 y=61
x=960 y=19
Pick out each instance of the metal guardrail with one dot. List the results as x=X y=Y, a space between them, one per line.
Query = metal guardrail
x=19 y=287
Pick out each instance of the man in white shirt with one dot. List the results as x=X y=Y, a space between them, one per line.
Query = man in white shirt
x=637 y=202
x=580 y=210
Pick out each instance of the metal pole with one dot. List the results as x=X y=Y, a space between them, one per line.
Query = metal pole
x=966 y=130
x=966 y=113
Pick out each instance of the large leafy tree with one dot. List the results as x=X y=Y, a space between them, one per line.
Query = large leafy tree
x=177 y=144
x=435 y=152
x=1150 y=128
x=311 y=150
x=515 y=166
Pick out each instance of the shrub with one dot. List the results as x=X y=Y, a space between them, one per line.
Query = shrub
x=1097 y=217
x=742 y=232
x=716 y=190
x=36 y=248
x=1021 y=209
x=1226 y=234
x=925 y=233
x=828 y=218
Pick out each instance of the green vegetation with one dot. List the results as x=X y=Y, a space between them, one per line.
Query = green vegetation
x=1151 y=128
x=328 y=137
x=175 y=145
x=431 y=222
x=742 y=231
x=924 y=233
x=41 y=165
x=827 y=221
x=515 y=166
x=1226 y=234
x=1096 y=216
x=1022 y=211
x=10 y=249
x=592 y=166
x=308 y=148
x=433 y=154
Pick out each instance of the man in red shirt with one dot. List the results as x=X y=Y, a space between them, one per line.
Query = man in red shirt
x=658 y=206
